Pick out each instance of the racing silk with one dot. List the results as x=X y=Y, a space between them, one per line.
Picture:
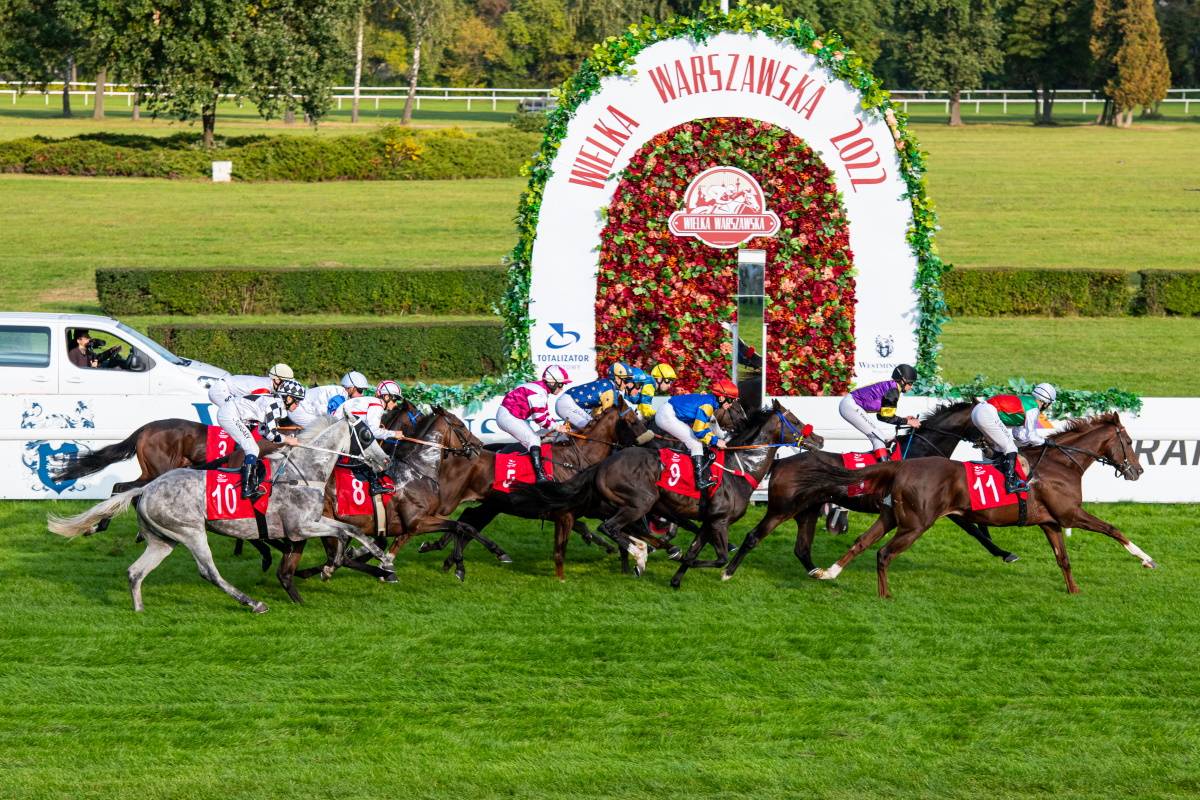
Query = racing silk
x=370 y=411
x=880 y=398
x=530 y=401
x=641 y=396
x=700 y=411
x=242 y=386
x=598 y=395
x=316 y=404
x=1019 y=411
x=266 y=410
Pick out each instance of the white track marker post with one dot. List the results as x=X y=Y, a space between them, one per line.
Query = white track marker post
x=222 y=171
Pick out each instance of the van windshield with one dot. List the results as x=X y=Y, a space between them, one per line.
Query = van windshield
x=152 y=345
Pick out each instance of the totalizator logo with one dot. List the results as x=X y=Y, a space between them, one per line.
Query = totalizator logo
x=724 y=207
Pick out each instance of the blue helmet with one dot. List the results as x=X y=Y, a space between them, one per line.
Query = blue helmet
x=640 y=376
x=619 y=371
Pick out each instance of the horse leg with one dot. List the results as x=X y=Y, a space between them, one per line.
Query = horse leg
x=582 y=529
x=562 y=534
x=198 y=545
x=333 y=558
x=689 y=557
x=1054 y=535
x=438 y=544
x=980 y=534
x=718 y=537
x=806 y=529
x=770 y=521
x=287 y=569
x=897 y=545
x=872 y=535
x=238 y=546
x=1078 y=518
x=156 y=550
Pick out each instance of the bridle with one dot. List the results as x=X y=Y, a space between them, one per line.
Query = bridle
x=1123 y=469
x=800 y=435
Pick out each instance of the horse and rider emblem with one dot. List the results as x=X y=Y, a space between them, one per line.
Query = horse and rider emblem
x=724 y=207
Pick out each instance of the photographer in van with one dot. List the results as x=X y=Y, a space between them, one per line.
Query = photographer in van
x=85 y=356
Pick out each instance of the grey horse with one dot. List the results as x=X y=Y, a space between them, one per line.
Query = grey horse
x=171 y=508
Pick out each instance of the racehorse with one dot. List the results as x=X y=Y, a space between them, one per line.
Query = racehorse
x=924 y=490
x=462 y=481
x=941 y=430
x=625 y=487
x=171 y=509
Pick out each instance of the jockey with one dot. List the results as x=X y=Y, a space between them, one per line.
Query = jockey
x=264 y=410
x=879 y=399
x=1008 y=419
x=222 y=390
x=664 y=378
x=317 y=404
x=524 y=413
x=580 y=404
x=370 y=411
x=641 y=392
x=691 y=418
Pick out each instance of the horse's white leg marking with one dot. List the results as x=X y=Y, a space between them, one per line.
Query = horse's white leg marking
x=1140 y=553
x=637 y=548
x=828 y=574
x=156 y=550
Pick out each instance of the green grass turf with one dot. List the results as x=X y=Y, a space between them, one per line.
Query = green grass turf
x=1146 y=355
x=979 y=679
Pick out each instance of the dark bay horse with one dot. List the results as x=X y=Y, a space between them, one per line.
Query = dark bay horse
x=941 y=430
x=624 y=489
x=926 y=489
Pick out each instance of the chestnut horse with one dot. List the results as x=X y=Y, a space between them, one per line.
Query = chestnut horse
x=941 y=430
x=924 y=490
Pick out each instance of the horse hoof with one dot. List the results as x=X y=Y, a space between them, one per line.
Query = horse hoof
x=461 y=574
x=637 y=571
x=1150 y=563
x=258 y=607
x=675 y=583
x=389 y=578
x=674 y=553
x=726 y=576
x=326 y=572
x=1010 y=558
x=817 y=573
x=504 y=558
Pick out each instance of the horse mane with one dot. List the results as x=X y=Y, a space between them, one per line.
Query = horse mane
x=315 y=429
x=1084 y=424
x=941 y=412
x=420 y=431
x=753 y=424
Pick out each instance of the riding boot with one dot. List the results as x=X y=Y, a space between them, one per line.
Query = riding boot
x=1012 y=482
x=250 y=478
x=535 y=458
x=376 y=484
x=703 y=474
x=881 y=454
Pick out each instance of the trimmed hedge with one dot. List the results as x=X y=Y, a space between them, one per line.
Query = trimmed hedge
x=132 y=292
x=1170 y=292
x=390 y=153
x=1004 y=291
x=322 y=353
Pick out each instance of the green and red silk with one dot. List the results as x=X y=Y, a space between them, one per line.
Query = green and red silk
x=1012 y=407
x=661 y=297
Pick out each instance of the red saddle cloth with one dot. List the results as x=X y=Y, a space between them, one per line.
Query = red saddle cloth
x=223 y=495
x=860 y=460
x=678 y=475
x=514 y=468
x=218 y=443
x=985 y=484
x=353 y=496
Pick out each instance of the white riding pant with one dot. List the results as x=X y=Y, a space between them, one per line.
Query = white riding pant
x=519 y=429
x=679 y=429
x=232 y=423
x=861 y=421
x=987 y=419
x=566 y=408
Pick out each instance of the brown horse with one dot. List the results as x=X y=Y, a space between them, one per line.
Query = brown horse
x=624 y=488
x=617 y=427
x=924 y=490
x=941 y=430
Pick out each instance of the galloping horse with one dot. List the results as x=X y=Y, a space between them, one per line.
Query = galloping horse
x=926 y=489
x=941 y=430
x=624 y=488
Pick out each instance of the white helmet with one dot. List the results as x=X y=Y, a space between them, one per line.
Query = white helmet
x=282 y=371
x=1045 y=392
x=554 y=374
x=390 y=388
x=356 y=380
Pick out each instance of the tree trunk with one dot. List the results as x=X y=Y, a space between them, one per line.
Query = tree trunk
x=358 y=56
x=412 y=84
x=1048 y=96
x=66 y=94
x=101 y=85
x=137 y=107
x=956 y=107
x=289 y=116
x=1037 y=105
x=208 y=118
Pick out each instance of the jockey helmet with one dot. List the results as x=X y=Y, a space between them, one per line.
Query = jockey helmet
x=554 y=375
x=906 y=373
x=388 y=389
x=619 y=371
x=354 y=379
x=663 y=372
x=281 y=371
x=725 y=388
x=640 y=376
x=1045 y=393
x=291 y=389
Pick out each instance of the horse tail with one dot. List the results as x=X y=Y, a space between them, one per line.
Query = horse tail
x=578 y=492
x=99 y=459
x=83 y=523
x=827 y=480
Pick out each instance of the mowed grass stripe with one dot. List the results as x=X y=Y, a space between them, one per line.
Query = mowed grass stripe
x=979 y=678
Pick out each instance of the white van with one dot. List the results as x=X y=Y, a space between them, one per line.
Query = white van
x=54 y=405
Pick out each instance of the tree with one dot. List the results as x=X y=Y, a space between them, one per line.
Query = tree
x=950 y=44
x=1179 y=21
x=423 y=19
x=473 y=51
x=862 y=24
x=1047 y=47
x=541 y=38
x=39 y=40
x=281 y=55
x=1128 y=49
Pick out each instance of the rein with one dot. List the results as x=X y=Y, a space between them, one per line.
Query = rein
x=800 y=437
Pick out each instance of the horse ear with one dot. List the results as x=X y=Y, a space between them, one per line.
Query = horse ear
x=775 y=404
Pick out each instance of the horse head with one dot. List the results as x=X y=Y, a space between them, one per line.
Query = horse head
x=631 y=428
x=1104 y=438
x=455 y=434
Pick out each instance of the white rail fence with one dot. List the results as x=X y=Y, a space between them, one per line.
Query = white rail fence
x=486 y=98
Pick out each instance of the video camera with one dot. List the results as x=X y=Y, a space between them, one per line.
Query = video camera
x=93 y=345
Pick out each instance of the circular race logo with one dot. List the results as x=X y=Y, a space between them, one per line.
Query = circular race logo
x=724 y=207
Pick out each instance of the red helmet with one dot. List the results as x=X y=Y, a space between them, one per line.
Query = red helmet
x=725 y=388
